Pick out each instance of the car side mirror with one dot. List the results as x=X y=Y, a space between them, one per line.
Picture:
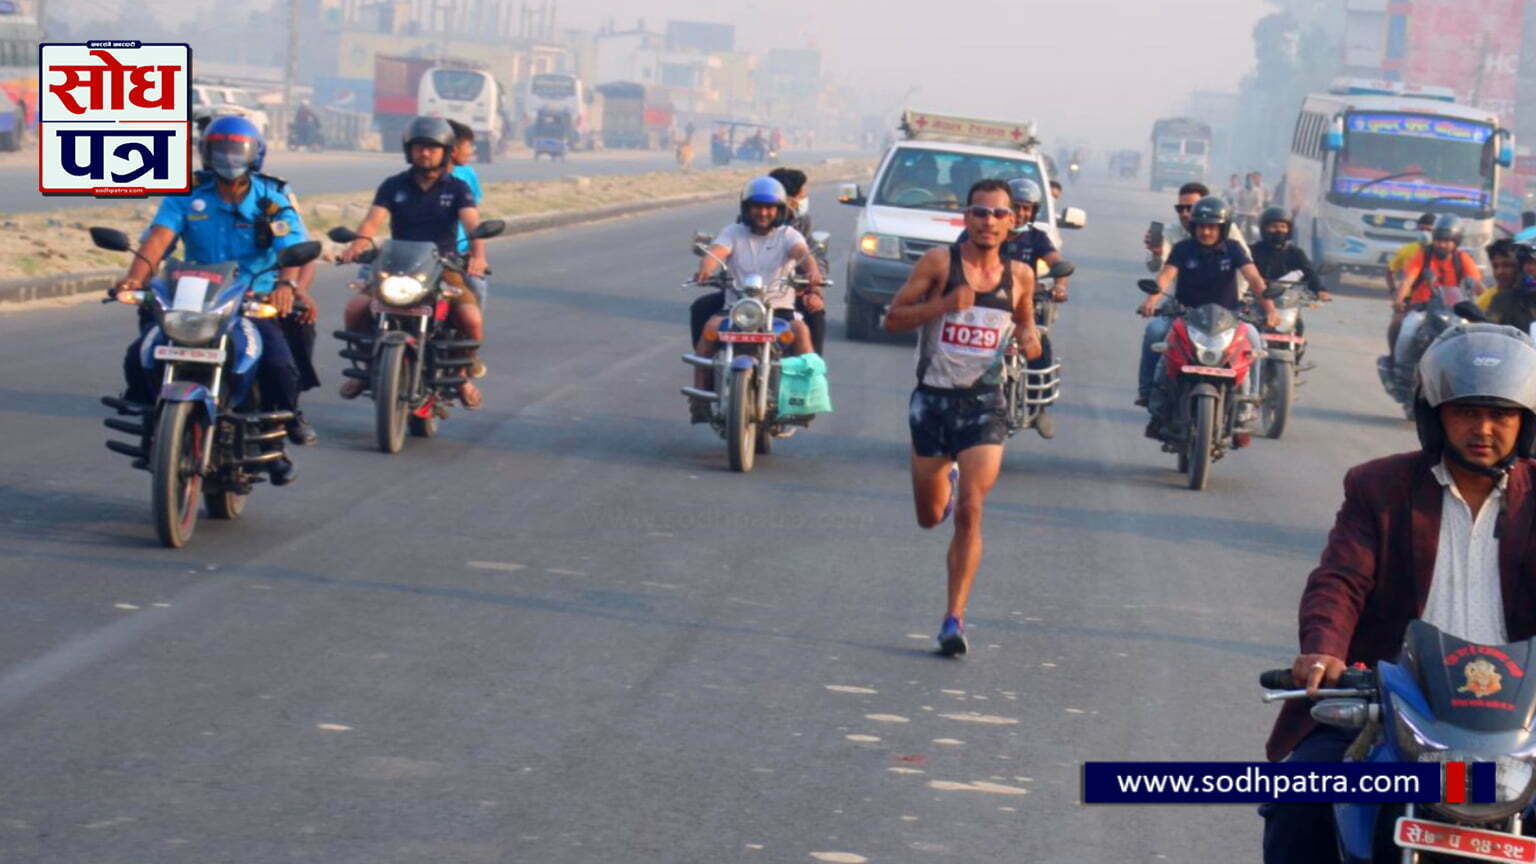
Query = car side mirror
x=1061 y=270
x=110 y=239
x=489 y=228
x=1470 y=311
x=341 y=234
x=1072 y=217
x=299 y=254
x=851 y=194
x=1148 y=286
x=1506 y=157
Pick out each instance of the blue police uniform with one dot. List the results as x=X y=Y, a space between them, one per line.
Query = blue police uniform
x=209 y=230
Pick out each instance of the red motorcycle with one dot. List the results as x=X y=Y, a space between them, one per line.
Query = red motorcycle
x=1207 y=357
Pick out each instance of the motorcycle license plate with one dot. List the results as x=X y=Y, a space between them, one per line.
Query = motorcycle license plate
x=378 y=308
x=189 y=355
x=1214 y=371
x=728 y=336
x=1288 y=338
x=1474 y=843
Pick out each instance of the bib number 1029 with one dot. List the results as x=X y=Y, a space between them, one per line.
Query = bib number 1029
x=970 y=336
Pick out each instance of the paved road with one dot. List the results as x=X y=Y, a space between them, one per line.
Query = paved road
x=563 y=632
x=319 y=173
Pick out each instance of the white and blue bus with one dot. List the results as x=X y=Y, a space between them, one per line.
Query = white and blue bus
x=1367 y=158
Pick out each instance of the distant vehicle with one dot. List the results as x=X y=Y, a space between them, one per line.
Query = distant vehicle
x=552 y=134
x=212 y=100
x=558 y=93
x=915 y=202
x=397 y=96
x=635 y=116
x=1125 y=164
x=470 y=96
x=19 y=37
x=735 y=141
x=1181 y=151
x=1367 y=158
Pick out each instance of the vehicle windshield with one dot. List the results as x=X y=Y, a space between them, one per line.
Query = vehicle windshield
x=460 y=85
x=1441 y=159
x=553 y=86
x=939 y=180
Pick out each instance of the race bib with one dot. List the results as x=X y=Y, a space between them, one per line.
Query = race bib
x=964 y=337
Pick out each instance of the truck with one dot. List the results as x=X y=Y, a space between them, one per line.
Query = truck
x=1181 y=151
x=915 y=203
x=397 y=85
x=635 y=116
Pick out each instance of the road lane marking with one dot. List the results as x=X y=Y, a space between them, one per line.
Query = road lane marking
x=988 y=719
x=849 y=688
x=863 y=739
x=976 y=786
x=503 y=566
x=886 y=718
x=332 y=727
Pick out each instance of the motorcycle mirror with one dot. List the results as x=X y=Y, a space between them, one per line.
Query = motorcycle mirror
x=1470 y=311
x=1062 y=269
x=489 y=228
x=1073 y=217
x=820 y=238
x=299 y=254
x=1148 y=286
x=700 y=249
x=110 y=239
x=341 y=234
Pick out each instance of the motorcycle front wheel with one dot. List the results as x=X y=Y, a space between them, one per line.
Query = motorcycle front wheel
x=1279 y=393
x=389 y=405
x=1202 y=432
x=176 y=469
x=740 y=424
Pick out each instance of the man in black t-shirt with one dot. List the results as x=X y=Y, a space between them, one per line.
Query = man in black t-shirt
x=425 y=203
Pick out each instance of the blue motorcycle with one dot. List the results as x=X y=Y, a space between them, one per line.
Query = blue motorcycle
x=1443 y=700
x=204 y=435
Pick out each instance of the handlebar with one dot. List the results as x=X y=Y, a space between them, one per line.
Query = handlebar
x=1276 y=679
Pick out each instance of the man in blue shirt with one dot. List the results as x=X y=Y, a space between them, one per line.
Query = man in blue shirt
x=463 y=154
x=234 y=213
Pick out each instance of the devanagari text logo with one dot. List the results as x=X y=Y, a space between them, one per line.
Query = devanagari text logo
x=115 y=118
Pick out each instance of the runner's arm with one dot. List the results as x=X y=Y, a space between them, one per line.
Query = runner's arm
x=919 y=300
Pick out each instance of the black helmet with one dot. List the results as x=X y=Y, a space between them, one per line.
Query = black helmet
x=1480 y=364
x=431 y=130
x=1448 y=227
x=1274 y=216
x=1211 y=210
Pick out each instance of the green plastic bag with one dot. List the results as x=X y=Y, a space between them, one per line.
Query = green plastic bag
x=803 y=386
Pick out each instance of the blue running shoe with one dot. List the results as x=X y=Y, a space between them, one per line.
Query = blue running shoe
x=954 y=490
x=952 y=637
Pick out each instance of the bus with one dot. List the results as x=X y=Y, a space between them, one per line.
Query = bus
x=470 y=96
x=19 y=37
x=1181 y=151
x=1368 y=157
x=555 y=93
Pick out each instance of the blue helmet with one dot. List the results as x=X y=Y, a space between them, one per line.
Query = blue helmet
x=232 y=146
x=765 y=190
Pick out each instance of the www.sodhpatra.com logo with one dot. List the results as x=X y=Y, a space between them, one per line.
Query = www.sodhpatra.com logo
x=114 y=118
x=1451 y=782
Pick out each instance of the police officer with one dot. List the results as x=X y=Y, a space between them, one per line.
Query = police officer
x=235 y=213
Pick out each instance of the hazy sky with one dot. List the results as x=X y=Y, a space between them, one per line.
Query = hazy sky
x=1100 y=70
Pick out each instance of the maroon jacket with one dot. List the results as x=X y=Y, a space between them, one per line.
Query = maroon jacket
x=1375 y=573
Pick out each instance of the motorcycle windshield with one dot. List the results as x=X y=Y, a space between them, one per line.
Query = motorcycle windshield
x=1211 y=319
x=1480 y=688
x=198 y=287
x=414 y=258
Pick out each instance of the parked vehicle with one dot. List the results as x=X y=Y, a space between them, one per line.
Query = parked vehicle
x=204 y=437
x=414 y=359
x=1435 y=703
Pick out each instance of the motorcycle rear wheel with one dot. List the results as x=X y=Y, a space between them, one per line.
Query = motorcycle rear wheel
x=740 y=424
x=389 y=405
x=175 y=468
x=1202 y=432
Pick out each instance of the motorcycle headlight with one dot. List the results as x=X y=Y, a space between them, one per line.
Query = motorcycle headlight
x=401 y=290
x=880 y=246
x=1513 y=784
x=1210 y=349
x=748 y=315
x=189 y=327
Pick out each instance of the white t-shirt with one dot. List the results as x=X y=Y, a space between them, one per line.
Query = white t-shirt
x=766 y=255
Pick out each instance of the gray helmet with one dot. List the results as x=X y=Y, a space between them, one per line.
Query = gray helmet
x=1480 y=364
x=431 y=130
x=1448 y=227
x=1210 y=210
x=1025 y=191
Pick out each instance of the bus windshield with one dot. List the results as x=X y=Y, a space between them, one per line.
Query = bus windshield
x=939 y=180
x=553 y=86
x=458 y=85
x=1440 y=160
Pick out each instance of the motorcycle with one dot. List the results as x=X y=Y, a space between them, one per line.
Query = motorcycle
x=309 y=137
x=1073 y=169
x=1432 y=704
x=204 y=435
x=415 y=359
x=1284 y=347
x=1026 y=391
x=1445 y=310
x=1207 y=357
x=746 y=396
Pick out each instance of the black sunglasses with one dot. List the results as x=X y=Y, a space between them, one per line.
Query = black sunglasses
x=979 y=212
x=1183 y=208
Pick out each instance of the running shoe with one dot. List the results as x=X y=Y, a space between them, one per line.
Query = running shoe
x=952 y=637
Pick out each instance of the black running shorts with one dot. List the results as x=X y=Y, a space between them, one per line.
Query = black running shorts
x=946 y=422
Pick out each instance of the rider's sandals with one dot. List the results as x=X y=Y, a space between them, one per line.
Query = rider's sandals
x=469 y=396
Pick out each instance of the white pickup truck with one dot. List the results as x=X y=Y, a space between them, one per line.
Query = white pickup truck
x=917 y=196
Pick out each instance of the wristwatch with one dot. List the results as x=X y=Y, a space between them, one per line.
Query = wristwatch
x=281 y=282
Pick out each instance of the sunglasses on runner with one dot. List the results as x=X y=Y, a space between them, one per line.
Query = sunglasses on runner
x=980 y=212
